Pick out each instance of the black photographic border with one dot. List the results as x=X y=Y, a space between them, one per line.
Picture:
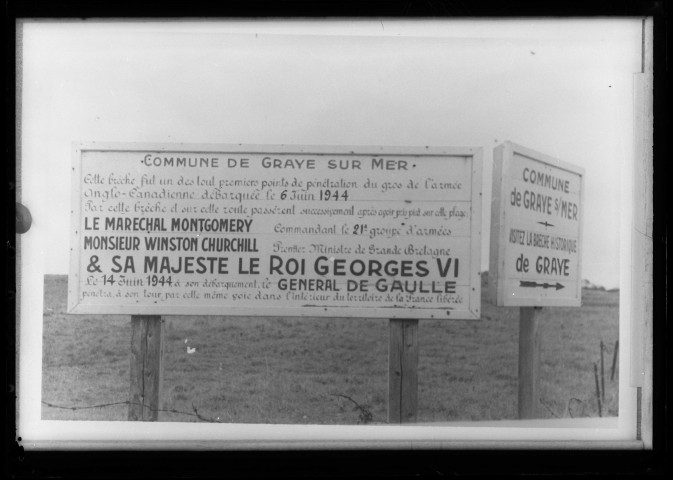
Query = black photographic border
x=26 y=463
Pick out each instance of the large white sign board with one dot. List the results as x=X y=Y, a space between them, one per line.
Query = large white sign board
x=536 y=229
x=276 y=230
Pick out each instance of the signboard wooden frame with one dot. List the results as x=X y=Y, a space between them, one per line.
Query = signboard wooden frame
x=473 y=155
x=502 y=220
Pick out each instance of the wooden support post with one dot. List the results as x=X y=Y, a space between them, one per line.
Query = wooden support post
x=146 y=367
x=529 y=362
x=403 y=371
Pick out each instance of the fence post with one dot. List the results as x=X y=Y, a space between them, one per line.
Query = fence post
x=146 y=367
x=403 y=371
x=529 y=362
x=602 y=374
x=614 y=361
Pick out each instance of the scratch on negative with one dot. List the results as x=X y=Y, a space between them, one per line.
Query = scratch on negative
x=401 y=367
x=643 y=233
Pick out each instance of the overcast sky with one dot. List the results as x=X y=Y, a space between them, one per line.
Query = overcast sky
x=562 y=87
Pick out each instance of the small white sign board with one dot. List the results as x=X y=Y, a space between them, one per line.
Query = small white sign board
x=276 y=230
x=536 y=229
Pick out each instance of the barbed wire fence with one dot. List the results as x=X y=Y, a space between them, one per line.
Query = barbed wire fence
x=364 y=411
x=365 y=414
x=194 y=413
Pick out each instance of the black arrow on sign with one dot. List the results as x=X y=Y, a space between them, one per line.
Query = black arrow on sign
x=545 y=224
x=545 y=285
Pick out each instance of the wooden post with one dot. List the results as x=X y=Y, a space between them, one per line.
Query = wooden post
x=529 y=362
x=598 y=392
x=403 y=371
x=614 y=361
x=146 y=367
x=602 y=374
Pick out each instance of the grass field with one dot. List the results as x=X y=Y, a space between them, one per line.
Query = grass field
x=288 y=370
